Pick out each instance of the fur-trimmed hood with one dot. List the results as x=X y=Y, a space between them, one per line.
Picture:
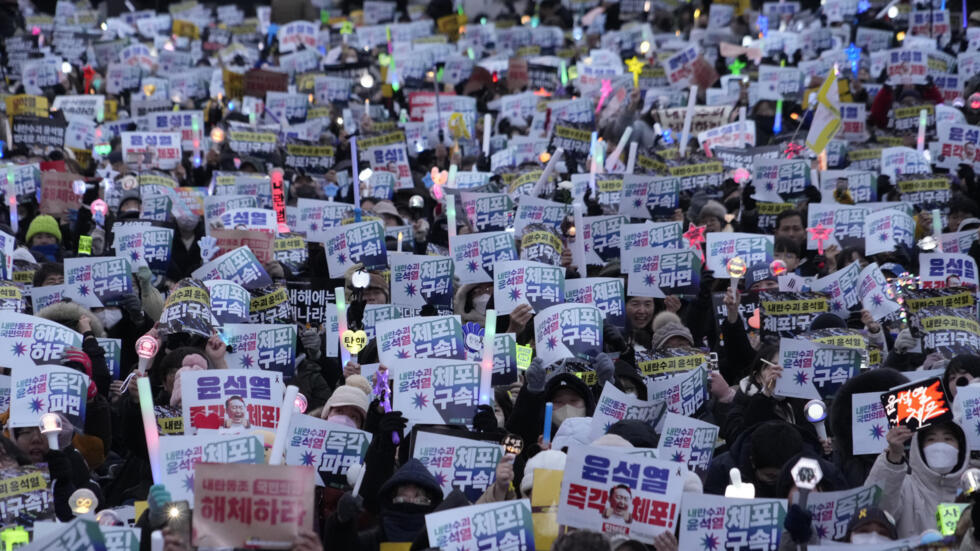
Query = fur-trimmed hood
x=459 y=305
x=68 y=314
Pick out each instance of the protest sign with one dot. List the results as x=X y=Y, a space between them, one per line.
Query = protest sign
x=868 y=424
x=495 y=525
x=877 y=295
x=649 y=234
x=655 y=271
x=25 y=490
x=601 y=234
x=841 y=288
x=330 y=448
x=887 y=228
x=419 y=337
x=274 y=503
x=815 y=370
x=615 y=405
x=435 y=390
x=474 y=255
x=524 y=282
x=80 y=534
x=938 y=270
x=788 y=313
x=33 y=341
x=362 y=243
x=98 y=281
x=917 y=405
x=187 y=310
x=609 y=490
x=684 y=393
x=113 y=353
x=721 y=247
x=688 y=441
x=230 y=399
x=417 y=280
x=542 y=245
x=229 y=301
x=457 y=463
x=35 y=391
x=179 y=455
x=269 y=347
x=833 y=511
x=488 y=212
x=949 y=331
x=567 y=331
x=709 y=522
x=57 y=193
x=605 y=293
x=239 y=266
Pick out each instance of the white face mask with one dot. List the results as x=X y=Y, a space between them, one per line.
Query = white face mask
x=109 y=317
x=480 y=304
x=567 y=412
x=868 y=537
x=342 y=420
x=941 y=457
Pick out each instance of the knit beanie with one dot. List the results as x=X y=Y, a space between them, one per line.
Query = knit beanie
x=347 y=395
x=358 y=381
x=773 y=443
x=43 y=224
x=714 y=208
x=548 y=459
x=668 y=330
x=664 y=317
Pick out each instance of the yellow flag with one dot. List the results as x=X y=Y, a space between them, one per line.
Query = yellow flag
x=826 y=120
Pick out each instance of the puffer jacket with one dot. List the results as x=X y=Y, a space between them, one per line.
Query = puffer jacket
x=911 y=491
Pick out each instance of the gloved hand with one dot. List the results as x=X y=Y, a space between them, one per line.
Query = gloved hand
x=799 y=523
x=98 y=241
x=133 y=307
x=349 y=507
x=604 y=368
x=392 y=422
x=905 y=341
x=535 y=376
x=157 y=500
x=58 y=465
x=144 y=275
x=484 y=420
x=310 y=338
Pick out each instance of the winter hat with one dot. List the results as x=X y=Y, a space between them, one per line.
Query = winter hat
x=773 y=443
x=347 y=395
x=636 y=432
x=668 y=330
x=194 y=360
x=714 y=208
x=827 y=320
x=175 y=393
x=757 y=273
x=548 y=459
x=387 y=208
x=359 y=382
x=413 y=472
x=871 y=515
x=23 y=255
x=376 y=281
x=573 y=432
x=664 y=317
x=43 y=224
x=130 y=195
x=612 y=440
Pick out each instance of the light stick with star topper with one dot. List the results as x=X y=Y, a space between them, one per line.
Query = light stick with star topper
x=635 y=66
x=820 y=234
x=692 y=99
x=342 y=324
x=486 y=364
x=604 y=92
x=614 y=156
x=695 y=238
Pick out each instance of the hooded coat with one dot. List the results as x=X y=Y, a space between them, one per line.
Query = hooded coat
x=912 y=490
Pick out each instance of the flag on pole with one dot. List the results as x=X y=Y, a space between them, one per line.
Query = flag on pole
x=826 y=120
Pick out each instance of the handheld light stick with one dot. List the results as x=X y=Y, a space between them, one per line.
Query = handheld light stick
x=970 y=481
x=692 y=99
x=451 y=215
x=579 y=244
x=146 y=348
x=399 y=242
x=614 y=156
x=486 y=366
x=548 y=409
x=285 y=415
x=83 y=501
x=631 y=158
x=196 y=131
x=937 y=228
x=593 y=162
x=737 y=488
x=778 y=267
x=820 y=234
x=355 y=177
x=548 y=169
x=300 y=403
x=279 y=199
x=150 y=427
x=816 y=413
x=806 y=475
x=736 y=268
x=12 y=200
x=342 y=324
x=486 y=134
x=50 y=426
x=777 y=123
x=920 y=143
x=99 y=210
x=383 y=392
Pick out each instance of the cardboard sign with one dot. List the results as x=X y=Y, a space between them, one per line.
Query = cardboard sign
x=685 y=393
x=709 y=521
x=57 y=193
x=917 y=405
x=214 y=399
x=615 y=405
x=940 y=270
x=330 y=448
x=649 y=234
x=475 y=254
x=229 y=301
x=273 y=503
x=605 y=293
x=31 y=131
x=869 y=424
x=417 y=280
x=98 y=281
x=608 y=490
x=33 y=341
x=568 y=331
x=435 y=390
x=815 y=370
x=524 y=282
x=495 y=525
x=884 y=229
x=269 y=347
x=420 y=337
x=789 y=313
x=721 y=247
x=458 y=463
x=25 y=490
x=179 y=455
x=239 y=265
x=656 y=271
x=688 y=441
x=187 y=310
x=949 y=331
x=78 y=535
x=259 y=81
x=841 y=288
x=877 y=295
x=48 y=388
x=362 y=242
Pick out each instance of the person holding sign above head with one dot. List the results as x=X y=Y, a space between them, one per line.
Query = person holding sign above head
x=913 y=484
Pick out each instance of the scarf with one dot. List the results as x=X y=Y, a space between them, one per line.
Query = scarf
x=403 y=522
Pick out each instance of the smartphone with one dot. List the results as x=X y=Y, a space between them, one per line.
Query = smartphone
x=179 y=519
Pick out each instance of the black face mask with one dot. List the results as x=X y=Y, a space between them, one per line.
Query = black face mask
x=305 y=192
x=404 y=521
